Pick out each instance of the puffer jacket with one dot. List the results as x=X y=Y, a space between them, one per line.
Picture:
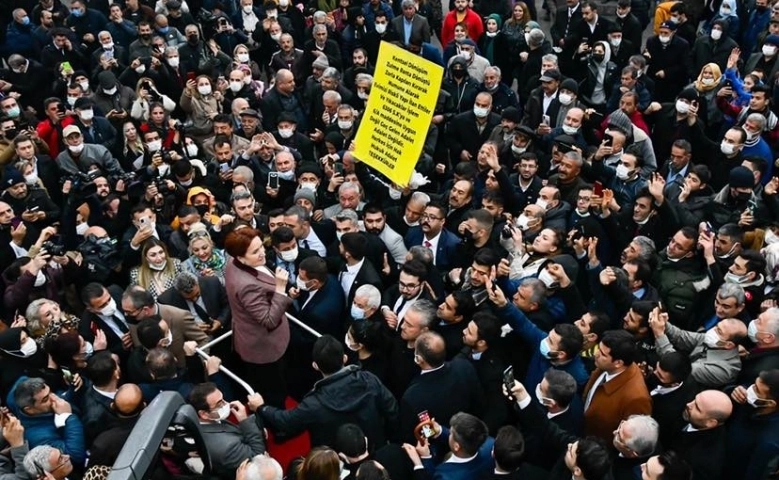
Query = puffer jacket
x=350 y=395
x=41 y=430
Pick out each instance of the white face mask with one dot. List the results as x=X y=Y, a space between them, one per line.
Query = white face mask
x=223 y=412
x=345 y=124
x=518 y=150
x=140 y=69
x=523 y=222
x=76 y=148
x=110 y=309
x=394 y=194
x=109 y=91
x=623 y=172
x=289 y=255
x=159 y=267
x=542 y=203
x=491 y=34
x=716 y=34
x=247 y=9
x=481 y=112
x=682 y=106
x=192 y=150
x=711 y=339
x=288 y=175
x=204 y=89
x=82 y=228
x=565 y=98
x=664 y=38
x=301 y=284
x=173 y=62
x=72 y=100
x=569 y=130
x=286 y=132
x=29 y=348
x=243 y=57
x=752 y=397
x=236 y=86
x=84 y=86
x=769 y=50
x=727 y=148
x=308 y=186
x=615 y=42
x=31 y=179
x=381 y=28
x=40 y=279
x=362 y=95
x=86 y=114
x=275 y=36
x=350 y=344
x=541 y=398
x=108 y=46
x=467 y=55
x=154 y=145
x=707 y=81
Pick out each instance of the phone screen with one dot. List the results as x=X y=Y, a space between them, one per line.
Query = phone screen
x=273 y=180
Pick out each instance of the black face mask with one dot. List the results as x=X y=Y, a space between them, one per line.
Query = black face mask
x=202 y=210
x=761 y=8
x=193 y=39
x=458 y=73
x=598 y=57
x=742 y=196
x=145 y=36
x=11 y=133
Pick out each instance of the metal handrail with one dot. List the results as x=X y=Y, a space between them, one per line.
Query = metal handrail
x=202 y=351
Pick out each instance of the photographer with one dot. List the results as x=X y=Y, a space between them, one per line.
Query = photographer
x=146 y=96
x=29 y=279
x=33 y=205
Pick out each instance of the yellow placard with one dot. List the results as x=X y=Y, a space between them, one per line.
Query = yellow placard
x=401 y=104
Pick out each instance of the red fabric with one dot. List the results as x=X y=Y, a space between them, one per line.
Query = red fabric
x=292 y=448
x=50 y=134
x=472 y=19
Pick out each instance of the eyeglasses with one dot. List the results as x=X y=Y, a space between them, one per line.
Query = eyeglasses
x=407 y=286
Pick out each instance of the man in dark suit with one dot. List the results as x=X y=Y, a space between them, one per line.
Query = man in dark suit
x=47 y=169
x=143 y=227
x=229 y=445
x=204 y=297
x=410 y=24
x=357 y=269
x=347 y=221
x=410 y=288
x=702 y=443
x=103 y=312
x=286 y=253
x=432 y=234
x=480 y=337
x=352 y=447
x=535 y=113
x=320 y=45
x=469 y=130
x=593 y=28
x=454 y=313
x=382 y=32
x=672 y=393
x=565 y=23
x=319 y=303
x=457 y=378
x=96 y=414
x=316 y=236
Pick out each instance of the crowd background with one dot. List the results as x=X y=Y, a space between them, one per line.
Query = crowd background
x=578 y=281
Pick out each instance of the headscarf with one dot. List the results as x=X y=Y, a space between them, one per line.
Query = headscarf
x=715 y=70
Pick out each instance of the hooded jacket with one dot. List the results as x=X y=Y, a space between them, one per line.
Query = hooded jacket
x=349 y=395
x=41 y=430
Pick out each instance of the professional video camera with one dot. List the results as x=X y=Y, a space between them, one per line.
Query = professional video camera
x=101 y=256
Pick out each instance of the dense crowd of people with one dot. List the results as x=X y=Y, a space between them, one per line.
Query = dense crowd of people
x=579 y=280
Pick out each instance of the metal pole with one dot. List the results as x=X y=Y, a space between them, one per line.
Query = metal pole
x=227 y=372
x=304 y=326
x=218 y=339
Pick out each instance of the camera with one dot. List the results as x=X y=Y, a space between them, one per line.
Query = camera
x=101 y=257
x=82 y=183
x=53 y=249
x=507 y=231
x=125 y=177
x=165 y=154
x=161 y=184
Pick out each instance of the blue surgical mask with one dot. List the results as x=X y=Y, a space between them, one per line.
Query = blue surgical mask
x=25 y=20
x=164 y=30
x=357 y=313
x=76 y=12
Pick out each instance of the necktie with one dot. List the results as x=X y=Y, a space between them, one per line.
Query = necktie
x=399 y=307
x=119 y=323
x=568 y=23
x=305 y=244
x=600 y=381
x=201 y=313
x=427 y=244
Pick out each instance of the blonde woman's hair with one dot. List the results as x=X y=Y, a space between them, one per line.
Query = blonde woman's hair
x=144 y=272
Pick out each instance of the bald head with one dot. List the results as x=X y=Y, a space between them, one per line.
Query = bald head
x=431 y=349
x=732 y=329
x=128 y=400
x=99 y=232
x=715 y=405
